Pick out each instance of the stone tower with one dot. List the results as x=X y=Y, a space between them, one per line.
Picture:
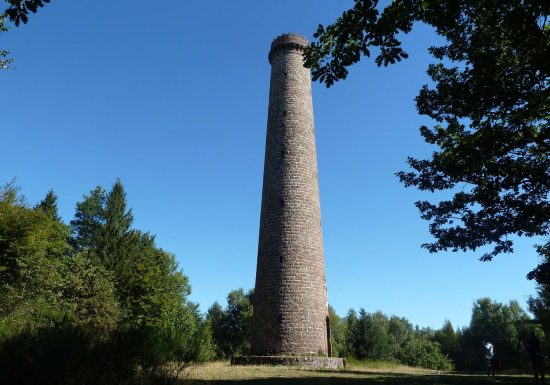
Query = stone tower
x=290 y=305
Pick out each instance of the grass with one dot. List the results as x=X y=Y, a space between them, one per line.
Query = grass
x=374 y=373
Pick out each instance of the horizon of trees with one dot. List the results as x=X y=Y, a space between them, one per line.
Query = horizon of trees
x=375 y=336
x=98 y=301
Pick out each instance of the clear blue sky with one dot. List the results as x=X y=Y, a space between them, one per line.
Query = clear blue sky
x=171 y=97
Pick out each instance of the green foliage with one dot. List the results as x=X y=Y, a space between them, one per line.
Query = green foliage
x=424 y=353
x=350 y=333
x=354 y=34
x=115 y=241
x=506 y=325
x=231 y=326
x=490 y=102
x=372 y=340
x=375 y=337
x=491 y=110
x=88 y=220
x=64 y=354
x=149 y=287
x=88 y=296
x=49 y=205
x=448 y=340
x=215 y=317
x=32 y=247
x=539 y=305
x=105 y=306
x=337 y=333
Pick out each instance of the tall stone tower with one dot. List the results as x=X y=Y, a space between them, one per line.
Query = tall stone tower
x=290 y=304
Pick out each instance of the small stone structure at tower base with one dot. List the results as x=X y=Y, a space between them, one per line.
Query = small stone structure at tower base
x=308 y=361
x=291 y=324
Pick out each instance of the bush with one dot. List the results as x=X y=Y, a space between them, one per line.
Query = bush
x=424 y=353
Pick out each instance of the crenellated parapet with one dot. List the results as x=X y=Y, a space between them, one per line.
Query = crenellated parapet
x=287 y=41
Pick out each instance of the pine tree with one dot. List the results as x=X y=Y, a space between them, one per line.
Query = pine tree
x=116 y=241
x=88 y=220
x=215 y=317
x=49 y=205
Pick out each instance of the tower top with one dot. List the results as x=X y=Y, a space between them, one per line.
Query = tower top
x=292 y=40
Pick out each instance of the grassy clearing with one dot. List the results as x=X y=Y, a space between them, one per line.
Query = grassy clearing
x=221 y=373
x=385 y=367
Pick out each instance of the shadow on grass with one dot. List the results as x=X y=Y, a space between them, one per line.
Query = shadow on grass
x=372 y=378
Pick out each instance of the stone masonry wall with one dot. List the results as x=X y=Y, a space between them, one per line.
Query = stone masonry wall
x=308 y=361
x=290 y=309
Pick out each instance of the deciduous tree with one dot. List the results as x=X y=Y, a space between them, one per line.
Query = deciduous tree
x=231 y=326
x=17 y=12
x=490 y=101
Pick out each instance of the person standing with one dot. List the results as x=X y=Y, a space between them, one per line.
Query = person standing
x=532 y=345
x=489 y=352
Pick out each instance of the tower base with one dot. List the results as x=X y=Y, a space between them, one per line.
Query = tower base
x=307 y=361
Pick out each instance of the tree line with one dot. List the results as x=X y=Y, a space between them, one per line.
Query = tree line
x=96 y=301
x=375 y=336
x=361 y=335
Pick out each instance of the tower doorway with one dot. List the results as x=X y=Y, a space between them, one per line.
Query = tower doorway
x=329 y=344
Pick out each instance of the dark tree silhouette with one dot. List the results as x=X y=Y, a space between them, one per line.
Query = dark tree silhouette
x=490 y=103
x=18 y=10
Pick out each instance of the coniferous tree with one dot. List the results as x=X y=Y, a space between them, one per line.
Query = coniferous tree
x=337 y=333
x=88 y=220
x=448 y=339
x=112 y=308
x=116 y=241
x=401 y=332
x=352 y=332
x=215 y=317
x=231 y=326
x=49 y=205
x=239 y=318
x=374 y=341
